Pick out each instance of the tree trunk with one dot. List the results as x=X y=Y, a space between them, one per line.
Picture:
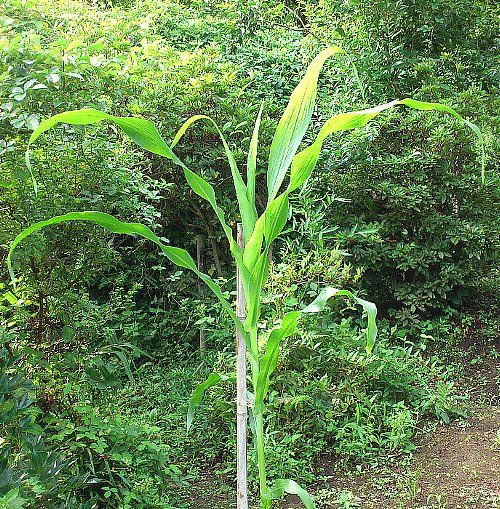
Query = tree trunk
x=200 y=259
x=215 y=252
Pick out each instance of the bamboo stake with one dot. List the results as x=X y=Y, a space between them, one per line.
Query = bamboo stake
x=241 y=391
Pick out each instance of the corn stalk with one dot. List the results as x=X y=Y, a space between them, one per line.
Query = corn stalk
x=259 y=232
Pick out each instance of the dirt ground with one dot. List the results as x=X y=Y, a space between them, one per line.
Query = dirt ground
x=462 y=462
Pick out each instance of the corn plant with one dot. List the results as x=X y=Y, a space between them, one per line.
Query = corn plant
x=287 y=170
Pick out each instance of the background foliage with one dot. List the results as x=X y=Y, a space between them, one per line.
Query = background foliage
x=100 y=340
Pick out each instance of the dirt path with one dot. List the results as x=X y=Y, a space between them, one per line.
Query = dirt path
x=461 y=462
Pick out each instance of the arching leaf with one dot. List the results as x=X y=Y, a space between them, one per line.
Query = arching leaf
x=141 y=131
x=199 y=392
x=305 y=161
x=294 y=123
x=144 y=133
x=248 y=211
x=288 y=327
x=176 y=255
x=369 y=307
x=282 y=486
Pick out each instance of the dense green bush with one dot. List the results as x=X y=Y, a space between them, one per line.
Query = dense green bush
x=418 y=222
x=66 y=452
x=433 y=223
x=31 y=472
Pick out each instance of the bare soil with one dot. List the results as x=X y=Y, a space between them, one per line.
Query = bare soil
x=462 y=462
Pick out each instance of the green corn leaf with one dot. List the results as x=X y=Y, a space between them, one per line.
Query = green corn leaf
x=144 y=133
x=252 y=158
x=420 y=105
x=369 y=307
x=126 y=364
x=253 y=247
x=205 y=190
x=305 y=161
x=294 y=123
x=259 y=274
x=268 y=226
x=256 y=263
x=288 y=327
x=276 y=216
x=141 y=131
x=248 y=211
x=269 y=360
x=176 y=255
x=199 y=392
x=282 y=486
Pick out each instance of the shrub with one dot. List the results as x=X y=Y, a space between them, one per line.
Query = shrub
x=67 y=453
x=30 y=471
x=432 y=223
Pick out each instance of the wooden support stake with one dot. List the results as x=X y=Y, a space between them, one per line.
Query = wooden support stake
x=200 y=259
x=241 y=391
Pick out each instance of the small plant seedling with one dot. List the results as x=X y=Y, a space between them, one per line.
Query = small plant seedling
x=347 y=500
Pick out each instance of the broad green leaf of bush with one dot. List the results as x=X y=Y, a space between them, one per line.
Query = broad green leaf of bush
x=5 y=185
x=12 y=500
